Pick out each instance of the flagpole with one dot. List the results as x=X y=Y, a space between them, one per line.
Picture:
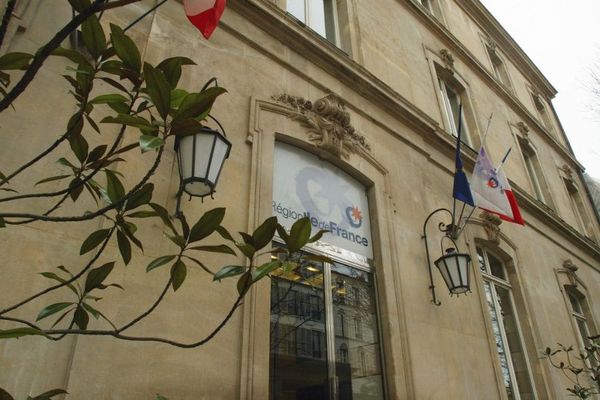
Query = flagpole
x=487 y=129
x=138 y=19
x=503 y=159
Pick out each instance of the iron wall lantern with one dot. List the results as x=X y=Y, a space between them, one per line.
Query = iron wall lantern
x=453 y=265
x=201 y=157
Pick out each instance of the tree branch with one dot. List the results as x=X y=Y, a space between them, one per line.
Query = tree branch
x=8 y=12
x=65 y=283
x=44 y=52
x=147 y=312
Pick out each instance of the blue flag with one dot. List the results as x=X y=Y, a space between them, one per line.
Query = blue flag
x=461 y=190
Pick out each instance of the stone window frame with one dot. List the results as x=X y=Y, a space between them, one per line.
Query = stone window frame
x=536 y=177
x=580 y=208
x=442 y=66
x=485 y=231
x=344 y=20
x=272 y=121
x=543 y=111
x=433 y=8
x=491 y=50
x=570 y=283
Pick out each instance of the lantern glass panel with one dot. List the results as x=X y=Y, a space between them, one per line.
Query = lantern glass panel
x=221 y=151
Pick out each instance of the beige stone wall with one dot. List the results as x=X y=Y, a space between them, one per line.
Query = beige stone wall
x=388 y=87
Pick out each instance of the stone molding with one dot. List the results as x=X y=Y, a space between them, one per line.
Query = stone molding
x=328 y=123
x=491 y=224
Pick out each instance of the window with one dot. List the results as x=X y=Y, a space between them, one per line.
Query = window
x=319 y=15
x=505 y=327
x=499 y=67
x=534 y=172
x=578 y=207
x=452 y=95
x=432 y=7
x=542 y=110
x=579 y=312
x=301 y=367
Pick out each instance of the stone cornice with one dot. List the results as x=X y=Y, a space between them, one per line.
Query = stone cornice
x=323 y=54
x=489 y=24
x=468 y=58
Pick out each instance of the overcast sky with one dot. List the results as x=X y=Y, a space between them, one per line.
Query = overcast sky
x=562 y=37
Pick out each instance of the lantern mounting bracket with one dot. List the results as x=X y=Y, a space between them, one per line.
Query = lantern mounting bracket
x=446 y=229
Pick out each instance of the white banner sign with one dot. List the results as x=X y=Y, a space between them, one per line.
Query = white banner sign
x=305 y=186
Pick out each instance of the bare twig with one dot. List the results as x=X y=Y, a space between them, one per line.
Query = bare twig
x=147 y=312
x=8 y=12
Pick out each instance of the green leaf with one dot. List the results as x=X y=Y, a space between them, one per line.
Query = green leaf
x=75 y=189
x=2 y=223
x=4 y=395
x=229 y=271
x=19 y=332
x=96 y=153
x=201 y=265
x=178 y=240
x=79 y=5
x=96 y=276
x=52 y=309
x=247 y=249
x=158 y=88
x=94 y=240
x=142 y=214
x=244 y=283
x=95 y=313
x=125 y=48
x=178 y=274
x=185 y=127
x=265 y=269
x=299 y=234
x=93 y=36
x=149 y=142
x=114 y=188
x=195 y=104
x=129 y=229
x=84 y=76
x=49 y=394
x=72 y=55
x=171 y=67
x=225 y=234
x=222 y=248
x=164 y=216
x=159 y=262
x=177 y=96
x=53 y=178
x=283 y=234
x=124 y=247
x=81 y=318
x=263 y=235
x=317 y=235
x=140 y=197
x=207 y=224
x=129 y=120
x=16 y=60
x=109 y=98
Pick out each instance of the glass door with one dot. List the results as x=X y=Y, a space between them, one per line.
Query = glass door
x=324 y=334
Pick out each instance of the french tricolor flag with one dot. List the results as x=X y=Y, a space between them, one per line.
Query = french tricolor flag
x=204 y=14
x=492 y=192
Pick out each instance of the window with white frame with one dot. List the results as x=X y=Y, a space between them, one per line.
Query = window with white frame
x=453 y=95
x=506 y=330
x=580 y=315
x=319 y=15
x=534 y=171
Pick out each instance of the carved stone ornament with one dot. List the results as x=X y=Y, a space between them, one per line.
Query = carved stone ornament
x=523 y=129
x=568 y=171
x=328 y=123
x=491 y=224
x=447 y=59
x=491 y=44
x=571 y=270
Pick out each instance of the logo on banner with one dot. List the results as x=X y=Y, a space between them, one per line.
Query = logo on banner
x=354 y=216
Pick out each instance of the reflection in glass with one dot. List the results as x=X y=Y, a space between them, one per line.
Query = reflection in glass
x=298 y=368
x=358 y=363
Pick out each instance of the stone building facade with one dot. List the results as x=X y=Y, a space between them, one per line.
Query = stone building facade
x=366 y=94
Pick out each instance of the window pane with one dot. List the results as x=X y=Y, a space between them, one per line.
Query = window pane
x=316 y=16
x=481 y=260
x=517 y=353
x=296 y=8
x=500 y=346
x=298 y=367
x=575 y=303
x=358 y=363
x=496 y=267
